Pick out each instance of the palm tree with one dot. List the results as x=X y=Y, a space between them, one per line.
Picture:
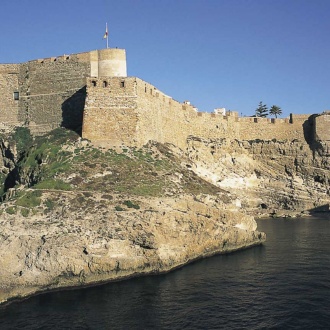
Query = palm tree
x=275 y=111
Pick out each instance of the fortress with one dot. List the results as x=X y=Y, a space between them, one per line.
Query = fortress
x=91 y=93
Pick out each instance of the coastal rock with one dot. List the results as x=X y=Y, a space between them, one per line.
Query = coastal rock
x=266 y=177
x=80 y=248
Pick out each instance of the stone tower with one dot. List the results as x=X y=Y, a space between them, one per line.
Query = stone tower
x=109 y=62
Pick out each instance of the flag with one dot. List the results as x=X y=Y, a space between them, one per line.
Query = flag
x=106 y=32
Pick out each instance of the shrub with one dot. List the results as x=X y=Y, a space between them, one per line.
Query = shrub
x=25 y=212
x=30 y=199
x=119 y=208
x=131 y=205
x=23 y=138
x=11 y=210
x=49 y=204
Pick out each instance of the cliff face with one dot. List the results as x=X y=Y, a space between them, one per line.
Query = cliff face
x=73 y=214
x=267 y=177
x=71 y=247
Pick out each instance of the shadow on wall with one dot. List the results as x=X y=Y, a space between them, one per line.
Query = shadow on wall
x=72 y=111
x=309 y=134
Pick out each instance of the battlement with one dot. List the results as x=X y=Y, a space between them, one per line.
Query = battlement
x=130 y=111
x=90 y=91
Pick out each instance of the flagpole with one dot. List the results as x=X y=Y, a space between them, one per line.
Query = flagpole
x=106 y=29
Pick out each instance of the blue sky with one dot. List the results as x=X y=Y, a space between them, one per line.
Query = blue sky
x=215 y=53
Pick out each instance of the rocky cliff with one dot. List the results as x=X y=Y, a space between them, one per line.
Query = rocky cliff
x=266 y=177
x=73 y=214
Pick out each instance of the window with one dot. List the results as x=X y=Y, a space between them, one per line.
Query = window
x=16 y=96
x=105 y=84
x=93 y=83
x=122 y=84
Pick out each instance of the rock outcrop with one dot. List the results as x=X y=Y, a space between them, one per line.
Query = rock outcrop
x=74 y=215
x=267 y=177
x=73 y=246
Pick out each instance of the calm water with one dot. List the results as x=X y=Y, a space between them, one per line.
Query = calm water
x=284 y=284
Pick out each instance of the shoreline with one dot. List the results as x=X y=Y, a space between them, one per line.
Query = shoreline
x=21 y=297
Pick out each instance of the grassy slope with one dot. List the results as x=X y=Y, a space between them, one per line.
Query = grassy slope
x=60 y=161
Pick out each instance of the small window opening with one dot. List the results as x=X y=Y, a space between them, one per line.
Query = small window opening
x=255 y=120
x=16 y=96
x=105 y=84
x=122 y=84
x=145 y=89
x=93 y=83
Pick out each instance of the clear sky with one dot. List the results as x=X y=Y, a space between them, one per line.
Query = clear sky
x=214 y=53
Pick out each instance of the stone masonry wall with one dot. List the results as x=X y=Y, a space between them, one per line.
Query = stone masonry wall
x=8 y=85
x=52 y=92
x=110 y=112
x=131 y=111
x=322 y=127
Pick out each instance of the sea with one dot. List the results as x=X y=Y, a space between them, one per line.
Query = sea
x=282 y=284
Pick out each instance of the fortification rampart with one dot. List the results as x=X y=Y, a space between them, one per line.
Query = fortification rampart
x=47 y=93
x=322 y=127
x=131 y=111
x=51 y=92
x=8 y=87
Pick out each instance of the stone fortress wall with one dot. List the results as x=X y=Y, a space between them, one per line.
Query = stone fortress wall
x=91 y=91
x=52 y=91
x=8 y=85
x=131 y=111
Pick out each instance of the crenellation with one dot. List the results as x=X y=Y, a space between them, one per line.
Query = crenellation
x=91 y=90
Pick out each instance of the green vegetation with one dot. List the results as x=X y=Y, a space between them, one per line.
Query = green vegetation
x=57 y=161
x=25 y=212
x=29 y=199
x=11 y=210
x=131 y=205
x=52 y=184
x=275 y=111
x=23 y=139
x=262 y=110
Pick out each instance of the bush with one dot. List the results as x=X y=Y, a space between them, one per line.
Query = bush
x=119 y=208
x=30 y=199
x=131 y=205
x=25 y=212
x=11 y=210
x=23 y=138
x=49 y=204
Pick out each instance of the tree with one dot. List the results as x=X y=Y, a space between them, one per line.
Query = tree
x=262 y=110
x=275 y=111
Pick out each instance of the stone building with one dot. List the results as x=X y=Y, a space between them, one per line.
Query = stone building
x=91 y=93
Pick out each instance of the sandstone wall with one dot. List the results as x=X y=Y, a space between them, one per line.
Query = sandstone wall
x=322 y=127
x=8 y=85
x=110 y=111
x=253 y=128
x=52 y=92
x=166 y=120
x=131 y=111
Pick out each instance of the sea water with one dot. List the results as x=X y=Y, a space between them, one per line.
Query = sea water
x=282 y=284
